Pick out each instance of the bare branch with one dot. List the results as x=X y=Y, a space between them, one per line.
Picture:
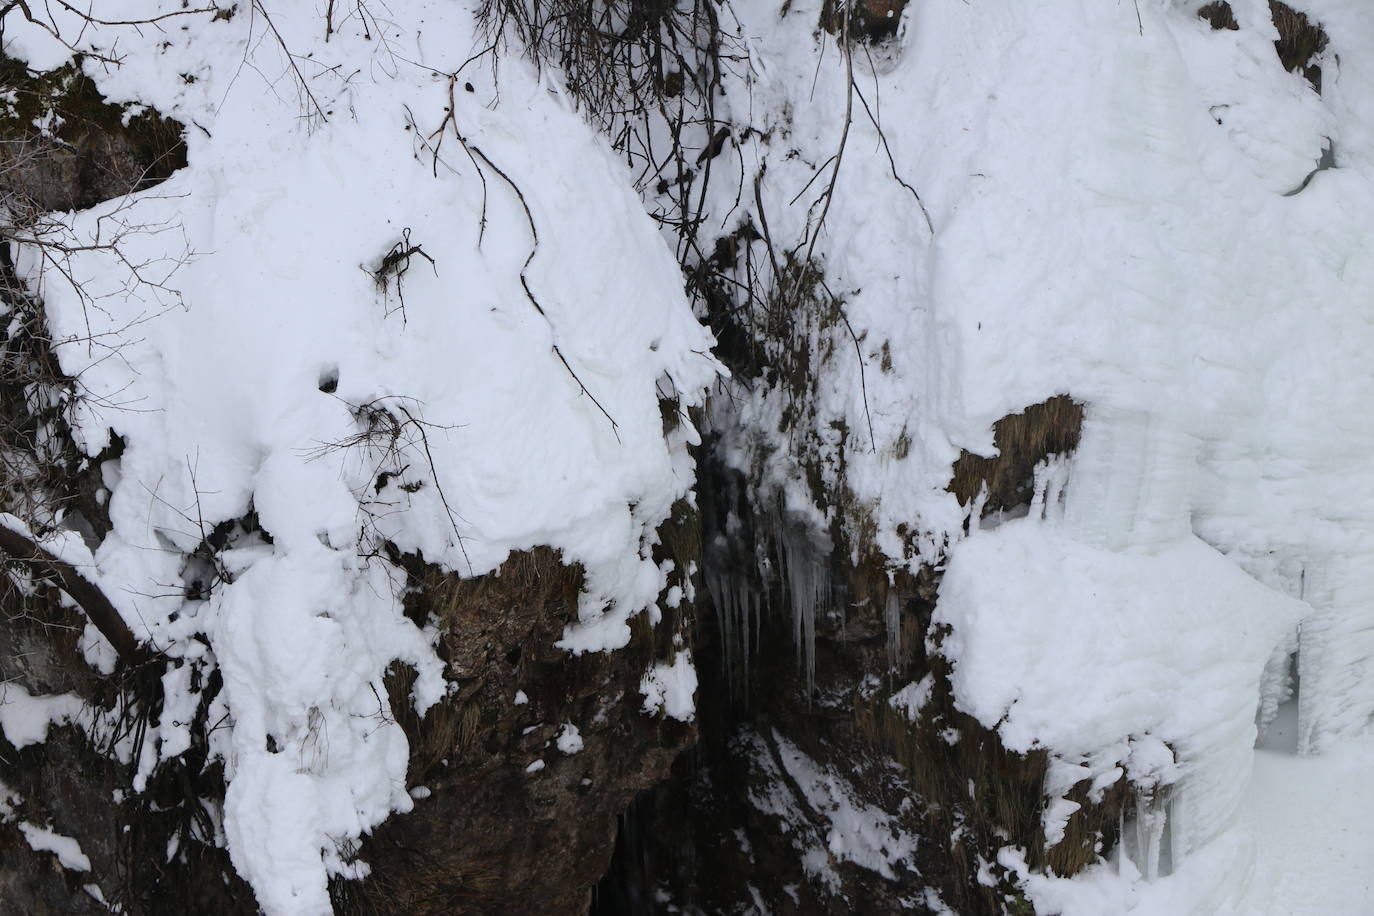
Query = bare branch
x=22 y=547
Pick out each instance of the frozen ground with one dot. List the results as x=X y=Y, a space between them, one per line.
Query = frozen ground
x=1311 y=821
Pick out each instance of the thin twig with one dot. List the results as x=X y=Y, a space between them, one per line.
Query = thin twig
x=291 y=60
x=450 y=119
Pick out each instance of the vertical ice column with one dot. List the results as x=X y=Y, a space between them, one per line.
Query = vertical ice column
x=892 y=621
x=804 y=567
x=1133 y=475
x=1146 y=836
x=1336 y=645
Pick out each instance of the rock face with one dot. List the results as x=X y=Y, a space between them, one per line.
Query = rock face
x=835 y=792
x=520 y=774
x=88 y=150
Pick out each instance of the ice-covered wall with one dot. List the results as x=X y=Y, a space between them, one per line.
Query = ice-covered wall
x=1152 y=215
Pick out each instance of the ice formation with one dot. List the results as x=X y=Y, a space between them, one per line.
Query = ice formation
x=1113 y=201
x=738 y=610
x=1158 y=219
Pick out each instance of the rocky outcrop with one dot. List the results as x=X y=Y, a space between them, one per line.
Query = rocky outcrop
x=520 y=773
x=876 y=726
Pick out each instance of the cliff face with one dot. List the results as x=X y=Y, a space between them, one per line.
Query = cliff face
x=1053 y=630
x=540 y=457
x=386 y=510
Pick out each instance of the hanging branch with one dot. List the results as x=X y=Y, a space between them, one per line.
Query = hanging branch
x=22 y=547
x=451 y=119
x=291 y=61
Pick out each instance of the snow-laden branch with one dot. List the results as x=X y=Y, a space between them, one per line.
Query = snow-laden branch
x=17 y=541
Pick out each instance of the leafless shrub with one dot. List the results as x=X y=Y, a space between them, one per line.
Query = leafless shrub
x=392 y=268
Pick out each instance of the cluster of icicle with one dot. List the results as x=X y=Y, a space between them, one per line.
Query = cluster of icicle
x=739 y=612
x=801 y=565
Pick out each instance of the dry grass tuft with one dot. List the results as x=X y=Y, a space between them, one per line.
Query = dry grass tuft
x=1023 y=440
x=983 y=797
x=1219 y=15
x=1300 y=40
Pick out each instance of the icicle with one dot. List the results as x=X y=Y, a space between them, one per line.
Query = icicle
x=1051 y=475
x=806 y=575
x=1147 y=837
x=735 y=603
x=742 y=601
x=718 y=589
x=975 y=509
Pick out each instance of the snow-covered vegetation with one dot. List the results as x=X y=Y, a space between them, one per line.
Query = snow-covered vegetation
x=980 y=387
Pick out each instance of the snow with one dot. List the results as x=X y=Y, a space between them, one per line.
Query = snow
x=26 y=718
x=465 y=421
x=1169 y=644
x=671 y=688
x=67 y=850
x=828 y=822
x=912 y=698
x=1296 y=849
x=1110 y=187
x=569 y=739
x=1310 y=818
x=855 y=832
x=1039 y=616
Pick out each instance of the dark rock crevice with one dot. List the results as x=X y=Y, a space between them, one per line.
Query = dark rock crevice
x=710 y=840
x=91 y=151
